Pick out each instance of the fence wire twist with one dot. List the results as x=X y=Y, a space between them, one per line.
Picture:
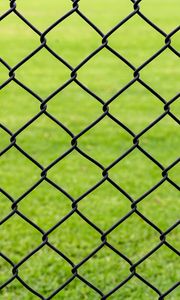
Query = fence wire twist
x=75 y=147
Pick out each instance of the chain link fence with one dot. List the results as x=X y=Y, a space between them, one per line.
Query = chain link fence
x=75 y=147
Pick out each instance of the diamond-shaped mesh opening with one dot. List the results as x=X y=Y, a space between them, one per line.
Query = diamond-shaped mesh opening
x=70 y=108
x=110 y=204
x=17 y=106
x=17 y=290
x=164 y=19
x=16 y=238
x=165 y=73
x=134 y=237
x=16 y=31
x=144 y=173
x=76 y=290
x=105 y=65
x=43 y=73
x=75 y=238
x=162 y=139
x=73 y=47
x=94 y=144
x=132 y=48
x=134 y=289
x=142 y=107
x=15 y=167
x=119 y=10
x=75 y=174
x=44 y=136
x=39 y=273
x=45 y=203
x=153 y=269
x=161 y=206
x=97 y=269
x=42 y=16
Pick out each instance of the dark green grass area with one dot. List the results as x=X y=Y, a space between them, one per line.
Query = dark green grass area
x=44 y=140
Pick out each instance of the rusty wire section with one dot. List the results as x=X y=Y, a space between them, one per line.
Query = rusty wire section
x=103 y=242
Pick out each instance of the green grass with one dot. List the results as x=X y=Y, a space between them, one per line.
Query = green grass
x=45 y=141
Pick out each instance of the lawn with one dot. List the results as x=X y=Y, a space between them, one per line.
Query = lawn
x=45 y=141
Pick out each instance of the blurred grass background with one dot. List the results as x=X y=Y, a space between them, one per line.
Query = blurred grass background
x=73 y=39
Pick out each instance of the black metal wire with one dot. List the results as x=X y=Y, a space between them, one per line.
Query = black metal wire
x=103 y=235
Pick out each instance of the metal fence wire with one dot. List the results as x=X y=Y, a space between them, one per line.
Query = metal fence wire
x=133 y=203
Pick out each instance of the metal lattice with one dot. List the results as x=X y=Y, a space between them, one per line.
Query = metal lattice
x=103 y=242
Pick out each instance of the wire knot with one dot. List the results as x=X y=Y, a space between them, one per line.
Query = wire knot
x=105 y=108
x=74 y=142
x=136 y=141
x=45 y=238
x=15 y=270
x=167 y=107
x=43 y=40
x=14 y=206
x=13 y=139
x=136 y=74
x=13 y=4
x=73 y=74
x=75 y=3
x=11 y=73
x=43 y=106
x=136 y=4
